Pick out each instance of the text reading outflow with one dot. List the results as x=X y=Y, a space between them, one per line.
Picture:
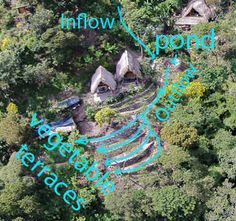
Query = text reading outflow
x=83 y=21
x=70 y=153
x=178 y=41
x=177 y=90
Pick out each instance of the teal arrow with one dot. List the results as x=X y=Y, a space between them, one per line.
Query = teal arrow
x=152 y=55
x=104 y=150
x=133 y=152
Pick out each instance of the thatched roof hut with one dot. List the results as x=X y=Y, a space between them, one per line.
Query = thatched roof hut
x=21 y=6
x=196 y=12
x=127 y=66
x=102 y=77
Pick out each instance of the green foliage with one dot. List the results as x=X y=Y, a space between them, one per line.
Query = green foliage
x=214 y=77
x=38 y=60
x=127 y=205
x=15 y=201
x=41 y=73
x=223 y=140
x=21 y=198
x=180 y=134
x=91 y=112
x=110 y=48
x=7 y=18
x=4 y=152
x=41 y=20
x=168 y=202
x=172 y=203
x=221 y=206
x=148 y=71
x=111 y=100
x=9 y=68
x=228 y=162
x=60 y=45
x=10 y=129
x=105 y=115
x=191 y=114
x=174 y=158
x=11 y=172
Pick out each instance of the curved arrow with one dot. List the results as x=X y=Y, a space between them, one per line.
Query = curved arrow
x=104 y=150
x=142 y=115
x=133 y=152
x=143 y=164
x=148 y=161
x=97 y=139
x=153 y=56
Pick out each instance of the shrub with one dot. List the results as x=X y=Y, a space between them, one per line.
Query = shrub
x=12 y=108
x=90 y=112
x=10 y=129
x=195 y=89
x=111 y=100
x=179 y=134
x=104 y=115
x=147 y=69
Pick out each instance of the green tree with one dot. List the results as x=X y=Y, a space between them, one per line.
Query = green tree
x=41 y=20
x=172 y=203
x=127 y=205
x=179 y=134
x=10 y=129
x=12 y=171
x=10 y=64
x=223 y=140
x=4 y=151
x=228 y=162
x=191 y=114
x=15 y=198
x=213 y=77
x=15 y=202
x=173 y=158
x=139 y=16
x=60 y=46
x=221 y=206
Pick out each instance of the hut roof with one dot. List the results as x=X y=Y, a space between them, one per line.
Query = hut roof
x=18 y=4
x=190 y=20
x=127 y=63
x=200 y=7
x=104 y=76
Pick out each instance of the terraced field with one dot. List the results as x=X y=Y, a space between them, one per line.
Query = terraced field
x=138 y=102
x=127 y=156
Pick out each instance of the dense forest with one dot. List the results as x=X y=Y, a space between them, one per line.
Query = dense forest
x=194 y=178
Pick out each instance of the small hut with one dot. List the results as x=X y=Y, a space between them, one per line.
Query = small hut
x=196 y=12
x=20 y=6
x=128 y=69
x=103 y=84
